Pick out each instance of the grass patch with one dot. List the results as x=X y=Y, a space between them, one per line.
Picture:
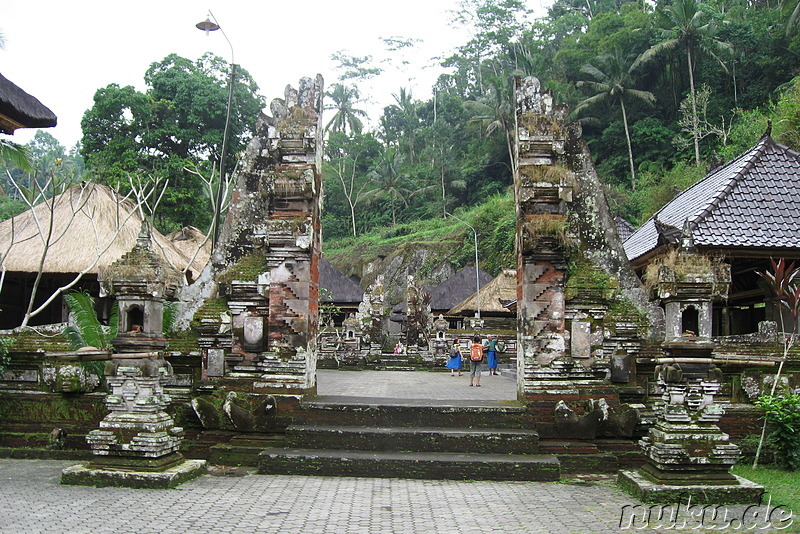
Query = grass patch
x=494 y=220
x=780 y=484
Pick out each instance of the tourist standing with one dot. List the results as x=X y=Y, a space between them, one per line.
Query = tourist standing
x=490 y=346
x=454 y=363
x=475 y=361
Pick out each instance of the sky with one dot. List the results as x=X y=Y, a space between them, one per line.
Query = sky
x=62 y=52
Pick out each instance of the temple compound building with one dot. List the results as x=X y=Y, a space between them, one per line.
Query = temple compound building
x=612 y=373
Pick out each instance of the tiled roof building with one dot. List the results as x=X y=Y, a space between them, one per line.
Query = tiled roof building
x=745 y=211
x=751 y=202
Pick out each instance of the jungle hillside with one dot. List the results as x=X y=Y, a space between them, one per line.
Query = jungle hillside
x=664 y=91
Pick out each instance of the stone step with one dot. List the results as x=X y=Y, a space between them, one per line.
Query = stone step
x=417 y=439
x=416 y=465
x=383 y=412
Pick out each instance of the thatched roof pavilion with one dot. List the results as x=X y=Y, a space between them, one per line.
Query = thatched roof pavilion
x=495 y=296
x=18 y=109
x=87 y=219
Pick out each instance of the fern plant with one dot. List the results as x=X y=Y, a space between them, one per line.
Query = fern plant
x=88 y=331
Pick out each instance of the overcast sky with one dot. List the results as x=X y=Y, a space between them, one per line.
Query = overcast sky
x=62 y=52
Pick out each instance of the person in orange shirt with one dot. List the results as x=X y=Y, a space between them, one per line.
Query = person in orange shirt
x=475 y=361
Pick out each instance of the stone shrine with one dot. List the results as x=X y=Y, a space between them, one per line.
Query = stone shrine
x=138 y=443
x=686 y=452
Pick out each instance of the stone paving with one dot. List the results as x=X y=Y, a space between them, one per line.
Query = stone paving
x=33 y=502
x=415 y=385
x=235 y=500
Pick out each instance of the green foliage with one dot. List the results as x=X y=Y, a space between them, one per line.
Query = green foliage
x=178 y=121
x=169 y=314
x=780 y=485
x=494 y=221
x=654 y=190
x=10 y=207
x=583 y=276
x=747 y=129
x=783 y=414
x=346 y=117
x=787 y=116
x=87 y=330
x=246 y=269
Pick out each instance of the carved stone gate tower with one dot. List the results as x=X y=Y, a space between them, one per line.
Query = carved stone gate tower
x=259 y=334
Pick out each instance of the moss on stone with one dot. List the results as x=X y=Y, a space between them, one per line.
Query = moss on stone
x=583 y=277
x=623 y=310
x=246 y=270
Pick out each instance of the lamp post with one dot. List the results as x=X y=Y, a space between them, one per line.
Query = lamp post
x=477 y=276
x=209 y=26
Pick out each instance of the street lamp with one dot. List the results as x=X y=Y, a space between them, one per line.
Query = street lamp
x=209 y=26
x=477 y=276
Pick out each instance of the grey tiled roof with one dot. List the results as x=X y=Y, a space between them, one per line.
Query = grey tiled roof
x=753 y=201
x=458 y=287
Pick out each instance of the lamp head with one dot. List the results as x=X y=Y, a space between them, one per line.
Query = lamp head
x=207 y=26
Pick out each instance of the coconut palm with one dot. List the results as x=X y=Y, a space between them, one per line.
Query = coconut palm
x=389 y=184
x=13 y=154
x=790 y=9
x=685 y=24
x=400 y=122
x=613 y=80
x=346 y=116
x=495 y=111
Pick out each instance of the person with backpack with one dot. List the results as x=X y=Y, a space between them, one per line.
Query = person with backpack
x=475 y=361
x=454 y=363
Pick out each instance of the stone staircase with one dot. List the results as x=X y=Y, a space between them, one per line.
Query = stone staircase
x=475 y=440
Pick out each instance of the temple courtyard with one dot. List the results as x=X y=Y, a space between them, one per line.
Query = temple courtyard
x=230 y=499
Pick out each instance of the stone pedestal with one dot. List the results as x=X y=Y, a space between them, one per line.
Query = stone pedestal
x=686 y=452
x=137 y=443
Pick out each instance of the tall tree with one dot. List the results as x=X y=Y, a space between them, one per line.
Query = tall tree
x=178 y=121
x=614 y=77
x=389 y=183
x=347 y=162
x=688 y=25
x=400 y=123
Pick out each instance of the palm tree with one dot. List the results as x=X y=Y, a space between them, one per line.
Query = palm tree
x=346 y=116
x=13 y=154
x=400 y=122
x=791 y=10
x=613 y=77
x=495 y=111
x=389 y=183
x=685 y=25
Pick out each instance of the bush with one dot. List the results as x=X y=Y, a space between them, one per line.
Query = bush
x=783 y=414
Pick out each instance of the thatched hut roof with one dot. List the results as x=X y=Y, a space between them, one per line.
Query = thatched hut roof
x=86 y=218
x=18 y=109
x=495 y=296
x=343 y=290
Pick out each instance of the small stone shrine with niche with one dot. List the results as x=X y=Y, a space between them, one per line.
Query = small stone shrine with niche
x=686 y=452
x=137 y=443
